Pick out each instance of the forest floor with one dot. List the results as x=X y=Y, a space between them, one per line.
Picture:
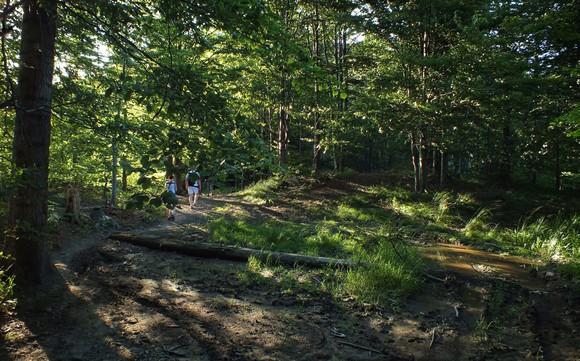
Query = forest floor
x=109 y=300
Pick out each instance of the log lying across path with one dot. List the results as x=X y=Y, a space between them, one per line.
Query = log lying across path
x=210 y=250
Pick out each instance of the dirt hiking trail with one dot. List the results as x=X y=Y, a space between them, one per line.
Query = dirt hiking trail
x=108 y=300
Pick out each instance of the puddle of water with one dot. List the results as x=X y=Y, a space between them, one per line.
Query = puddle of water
x=478 y=263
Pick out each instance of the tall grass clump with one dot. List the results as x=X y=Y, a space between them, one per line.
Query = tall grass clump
x=7 y=284
x=384 y=273
x=390 y=193
x=324 y=239
x=465 y=199
x=328 y=240
x=364 y=214
x=277 y=236
x=443 y=201
x=478 y=223
x=261 y=192
x=557 y=239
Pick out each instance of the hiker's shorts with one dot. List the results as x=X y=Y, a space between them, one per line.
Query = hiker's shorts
x=170 y=200
x=192 y=190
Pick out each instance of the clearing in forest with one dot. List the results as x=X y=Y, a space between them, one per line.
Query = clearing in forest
x=424 y=294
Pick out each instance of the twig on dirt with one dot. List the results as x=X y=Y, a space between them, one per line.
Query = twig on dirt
x=334 y=332
x=456 y=308
x=433 y=277
x=433 y=335
x=171 y=350
x=177 y=346
x=476 y=270
x=361 y=347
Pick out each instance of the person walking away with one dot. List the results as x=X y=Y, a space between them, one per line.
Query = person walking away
x=171 y=201
x=193 y=184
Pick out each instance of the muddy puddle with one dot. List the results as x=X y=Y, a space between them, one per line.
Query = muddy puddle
x=472 y=262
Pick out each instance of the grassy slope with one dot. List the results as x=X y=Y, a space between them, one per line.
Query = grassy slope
x=376 y=222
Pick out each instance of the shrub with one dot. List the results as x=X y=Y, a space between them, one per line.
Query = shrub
x=479 y=222
x=7 y=300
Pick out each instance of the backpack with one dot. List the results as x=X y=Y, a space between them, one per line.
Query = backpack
x=193 y=179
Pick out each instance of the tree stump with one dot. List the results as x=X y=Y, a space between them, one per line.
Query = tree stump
x=72 y=209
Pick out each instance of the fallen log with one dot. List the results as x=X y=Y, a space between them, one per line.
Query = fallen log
x=210 y=250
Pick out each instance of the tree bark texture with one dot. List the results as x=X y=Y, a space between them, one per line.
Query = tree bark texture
x=168 y=164
x=505 y=166
x=283 y=134
x=179 y=172
x=444 y=168
x=316 y=146
x=114 y=168
x=558 y=170
x=72 y=208
x=415 y=160
x=283 y=119
x=124 y=174
x=29 y=204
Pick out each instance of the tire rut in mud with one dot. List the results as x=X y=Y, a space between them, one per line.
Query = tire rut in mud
x=557 y=324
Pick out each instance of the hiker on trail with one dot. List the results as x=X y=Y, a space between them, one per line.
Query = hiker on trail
x=171 y=197
x=193 y=184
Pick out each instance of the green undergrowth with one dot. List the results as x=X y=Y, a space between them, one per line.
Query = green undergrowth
x=381 y=278
x=322 y=239
x=378 y=225
x=7 y=283
x=261 y=192
x=350 y=227
x=284 y=279
x=469 y=218
x=269 y=190
x=389 y=272
x=552 y=239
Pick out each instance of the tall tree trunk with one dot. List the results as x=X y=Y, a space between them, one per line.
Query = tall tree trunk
x=444 y=168
x=434 y=160
x=29 y=205
x=264 y=127
x=105 y=190
x=178 y=171
x=124 y=174
x=300 y=135
x=270 y=131
x=415 y=160
x=115 y=145
x=316 y=148
x=457 y=165
x=282 y=134
x=114 y=165
x=423 y=166
x=334 y=158
x=558 y=171
x=169 y=168
x=505 y=167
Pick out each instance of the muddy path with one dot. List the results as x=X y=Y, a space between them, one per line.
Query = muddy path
x=108 y=300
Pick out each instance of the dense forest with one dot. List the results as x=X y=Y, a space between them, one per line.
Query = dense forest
x=442 y=121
